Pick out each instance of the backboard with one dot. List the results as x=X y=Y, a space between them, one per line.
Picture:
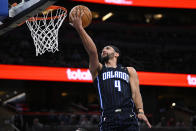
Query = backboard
x=11 y=17
x=4 y=13
x=4 y=8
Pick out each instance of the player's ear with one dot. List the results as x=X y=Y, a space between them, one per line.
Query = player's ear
x=116 y=54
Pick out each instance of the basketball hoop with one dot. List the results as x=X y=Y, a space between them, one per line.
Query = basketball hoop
x=44 y=28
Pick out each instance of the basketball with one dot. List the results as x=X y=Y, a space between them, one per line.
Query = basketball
x=86 y=18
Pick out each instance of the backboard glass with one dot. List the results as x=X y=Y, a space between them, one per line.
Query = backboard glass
x=3 y=10
x=3 y=7
x=21 y=12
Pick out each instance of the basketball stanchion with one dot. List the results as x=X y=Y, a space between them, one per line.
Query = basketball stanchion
x=44 y=28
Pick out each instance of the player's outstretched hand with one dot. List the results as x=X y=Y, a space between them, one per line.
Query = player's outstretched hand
x=143 y=117
x=76 y=19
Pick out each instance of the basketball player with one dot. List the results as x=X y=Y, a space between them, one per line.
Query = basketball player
x=118 y=86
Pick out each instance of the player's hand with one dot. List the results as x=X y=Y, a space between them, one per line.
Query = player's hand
x=76 y=20
x=143 y=117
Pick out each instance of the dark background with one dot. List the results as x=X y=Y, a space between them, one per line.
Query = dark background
x=148 y=44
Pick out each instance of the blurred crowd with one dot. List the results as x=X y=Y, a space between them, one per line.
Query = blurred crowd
x=58 y=121
x=63 y=121
x=144 y=55
x=144 y=51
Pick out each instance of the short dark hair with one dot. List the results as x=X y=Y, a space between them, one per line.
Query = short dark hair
x=115 y=49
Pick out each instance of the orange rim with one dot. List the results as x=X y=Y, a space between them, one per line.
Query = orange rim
x=53 y=7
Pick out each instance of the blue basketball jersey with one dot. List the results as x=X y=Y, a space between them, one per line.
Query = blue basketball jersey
x=113 y=87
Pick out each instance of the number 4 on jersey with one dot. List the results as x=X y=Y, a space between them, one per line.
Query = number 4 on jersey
x=117 y=84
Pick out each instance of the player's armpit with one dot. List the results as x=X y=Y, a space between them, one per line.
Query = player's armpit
x=95 y=69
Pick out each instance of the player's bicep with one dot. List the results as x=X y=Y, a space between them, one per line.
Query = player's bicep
x=134 y=81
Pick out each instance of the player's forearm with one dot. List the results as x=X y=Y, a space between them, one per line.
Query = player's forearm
x=88 y=43
x=137 y=98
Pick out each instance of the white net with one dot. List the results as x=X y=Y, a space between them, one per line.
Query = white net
x=44 y=30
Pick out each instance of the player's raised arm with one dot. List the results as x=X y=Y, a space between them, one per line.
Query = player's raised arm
x=134 y=83
x=88 y=43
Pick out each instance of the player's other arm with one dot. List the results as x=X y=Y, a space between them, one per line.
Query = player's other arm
x=89 y=45
x=136 y=95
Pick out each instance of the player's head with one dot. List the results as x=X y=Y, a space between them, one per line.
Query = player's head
x=109 y=52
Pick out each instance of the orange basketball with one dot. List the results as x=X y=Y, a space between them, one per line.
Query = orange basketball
x=86 y=18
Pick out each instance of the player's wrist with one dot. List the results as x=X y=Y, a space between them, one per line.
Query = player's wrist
x=140 y=111
x=79 y=27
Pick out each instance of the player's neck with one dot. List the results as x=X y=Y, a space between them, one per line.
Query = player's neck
x=111 y=63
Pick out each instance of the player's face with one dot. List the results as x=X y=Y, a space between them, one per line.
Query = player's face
x=108 y=50
x=107 y=53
